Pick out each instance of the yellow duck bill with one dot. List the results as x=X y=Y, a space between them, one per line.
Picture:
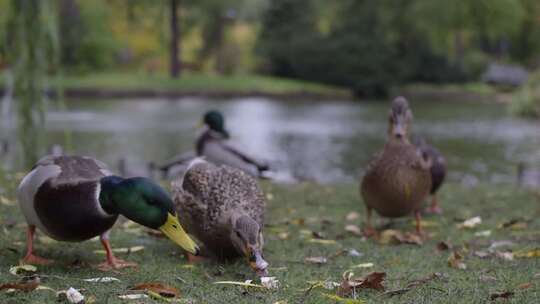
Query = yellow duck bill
x=174 y=231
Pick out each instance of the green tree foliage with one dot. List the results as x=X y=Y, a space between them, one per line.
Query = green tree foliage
x=289 y=37
x=86 y=41
x=31 y=49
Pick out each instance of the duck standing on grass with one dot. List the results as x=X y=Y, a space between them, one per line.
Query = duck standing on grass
x=223 y=207
x=212 y=145
x=437 y=170
x=75 y=198
x=398 y=179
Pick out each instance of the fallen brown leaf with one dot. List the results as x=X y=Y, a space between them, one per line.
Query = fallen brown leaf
x=514 y=224
x=501 y=295
x=455 y=260
x=24 y=285
x=349 y=284
x=524 y=286
x=443 y=246
x=391 y=236
x=318 y=235
x=159 y=288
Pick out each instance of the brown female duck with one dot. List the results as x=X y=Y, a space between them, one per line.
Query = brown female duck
x=437 y=170
x=398 y=179
x=224 y=209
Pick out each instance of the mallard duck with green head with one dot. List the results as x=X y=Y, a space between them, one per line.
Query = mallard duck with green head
x=223 y=207
x=213 y=145
x=437 y=170
x=75 y=198
x=397 y=180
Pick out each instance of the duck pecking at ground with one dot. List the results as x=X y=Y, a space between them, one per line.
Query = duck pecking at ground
x=223 y=207
x=75 y=198
x=398 y=179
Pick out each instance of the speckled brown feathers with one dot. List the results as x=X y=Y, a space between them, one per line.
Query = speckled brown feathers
x=396 y=181
x=208 y=196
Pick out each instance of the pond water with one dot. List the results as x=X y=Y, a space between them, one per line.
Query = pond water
x=323 y=141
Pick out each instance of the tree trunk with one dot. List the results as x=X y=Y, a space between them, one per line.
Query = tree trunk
x=175 y=67
x=459 y=49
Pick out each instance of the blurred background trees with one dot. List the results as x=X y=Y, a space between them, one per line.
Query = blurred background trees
x=366 y=45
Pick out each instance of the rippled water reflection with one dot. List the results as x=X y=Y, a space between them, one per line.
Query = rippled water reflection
x=323 y=141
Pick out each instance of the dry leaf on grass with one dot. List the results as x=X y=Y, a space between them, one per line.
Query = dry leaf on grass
x=270 y=282
x=352 y=216
x=349 y=284
x=415 y=283
x=471 y=223
x=354 y=253
x=505 y=255
x=391 y=236
x=501 y=295
x=339 y=299
x=316 y=260
x=353 y=229
x=498 y=244
x=443 y=246
x=247 y=283
x=482 y=254
x=283 y=235
x=487 y=278
x=363 y=265
x=322 y=242
x=525 y=285
x=136 y=296
x=535 y=253
x=424 y=223
x=455 y=260
x=514 y=224
x=163 y=290
x=102 y=280
x=25 y=285
x=71 y=295
x=122 y=250
x=22 y=269
x=6 y=201
x=483 y=233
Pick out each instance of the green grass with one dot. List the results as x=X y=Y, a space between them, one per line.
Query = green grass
x=526 y=100
x=471 y=87
x=194 y=82
x=322 y=209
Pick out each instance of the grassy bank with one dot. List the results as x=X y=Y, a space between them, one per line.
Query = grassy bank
x=196 y=82
x=526 y=101
x=191 y=83
x=294 y=212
